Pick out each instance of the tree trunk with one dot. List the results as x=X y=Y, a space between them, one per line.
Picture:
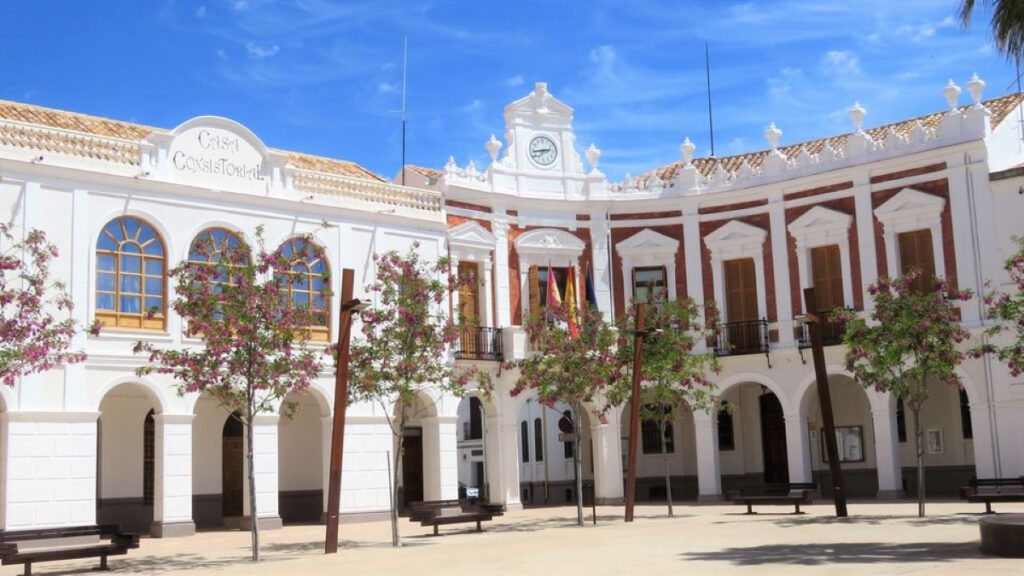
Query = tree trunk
x=919 y=435
x=252 y=488
x=578 y=465
x=668 y=476
x=396 y=539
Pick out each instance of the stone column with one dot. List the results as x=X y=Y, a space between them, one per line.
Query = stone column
x=709 y=474
x=780 y=268
x=493 y=458
x=499 y=227
x=266 y=468
x=487 y=295
x=887 y=450
x=602 y=275
x=798 y=448
x=608 y=488
x=865 y=238
x=172 y=490
x=510 y=465
x=693 y=252
x=326 y=430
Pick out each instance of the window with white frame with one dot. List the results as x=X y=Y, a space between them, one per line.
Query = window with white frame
x=734 y=243
x=648 y=257
x=823 y=255
x=912 y=211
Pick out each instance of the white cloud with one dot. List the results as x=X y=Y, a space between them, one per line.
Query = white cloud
x=474 y=106
x=385 y=87
x=604 y=57
x=780 y=87
x=239 y=4
x=260 y=52
x=514 y=81
x=222 y=54
x=841 y=62
x=201 y=12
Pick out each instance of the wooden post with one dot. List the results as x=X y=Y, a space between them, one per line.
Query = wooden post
x=825 y=399
x=634 y=410
x=340 y=403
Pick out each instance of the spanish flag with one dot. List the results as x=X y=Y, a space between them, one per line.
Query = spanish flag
x=570 y=302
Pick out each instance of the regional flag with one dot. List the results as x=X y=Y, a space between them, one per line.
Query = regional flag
x=554 y=298
x=570 y=302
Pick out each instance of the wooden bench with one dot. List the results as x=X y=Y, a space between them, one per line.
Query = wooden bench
x=776 y=494
x=989 y=490
x=46 y=544
x=437 y=512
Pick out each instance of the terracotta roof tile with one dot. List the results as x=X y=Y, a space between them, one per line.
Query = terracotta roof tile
x=999 y=108
x=427 y=172
x=96 y=126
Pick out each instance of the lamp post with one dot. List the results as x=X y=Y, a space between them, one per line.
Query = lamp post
x=348 y=306
x=825 y=399
x=634 y=410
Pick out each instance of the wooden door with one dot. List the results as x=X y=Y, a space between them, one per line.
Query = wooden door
x=741 y=304
x=469 y=307
x=773 y=440
x=232 y=469
x=412 y=466
x=827 y=274
x=916 y=254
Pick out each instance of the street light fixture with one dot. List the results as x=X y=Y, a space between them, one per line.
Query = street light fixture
x=349 y=305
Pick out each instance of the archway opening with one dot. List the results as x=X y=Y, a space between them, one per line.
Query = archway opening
x=471 y=448
x=855 y=437
x=680 y=450
x=126 y=458
x=547 y=474
x=218 y=466
x=301 y=458
x=419 y=465
x=233 y=467
x=753 y=452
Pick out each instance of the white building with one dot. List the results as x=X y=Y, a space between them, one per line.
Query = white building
x=93 y=442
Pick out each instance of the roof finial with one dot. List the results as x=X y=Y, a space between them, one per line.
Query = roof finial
x=773 y=134
x=857 y=114
x=687 y=148
x=952 y=94
x=975 y=87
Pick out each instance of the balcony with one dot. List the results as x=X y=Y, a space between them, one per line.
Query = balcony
x=742 y=337
x=479 y=343
x=832 y=330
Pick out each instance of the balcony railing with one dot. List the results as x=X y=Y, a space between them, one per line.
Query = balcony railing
x=832 y=331
x=743 y=337
x=479 y=343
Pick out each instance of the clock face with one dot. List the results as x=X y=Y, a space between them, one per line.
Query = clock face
x=543 y=151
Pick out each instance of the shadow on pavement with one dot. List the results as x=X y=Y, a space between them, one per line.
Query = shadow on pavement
x=839 y=553
x=957 y=519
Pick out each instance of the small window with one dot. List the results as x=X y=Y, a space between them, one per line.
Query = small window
x=524 y=434
x=649 y=285
x=965 y=416
x=650 y=435
x=567 y=447
x=726 y=439
x=148 y=458
x=538 y=440
x=901 y=421
x=476 y=428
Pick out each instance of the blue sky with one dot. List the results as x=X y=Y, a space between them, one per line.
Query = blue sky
x=325 y=77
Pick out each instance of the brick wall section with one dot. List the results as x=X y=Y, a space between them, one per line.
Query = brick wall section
x=938 y=188
x=466 y=206
x=731 y=207
x=846 y=206
x=674 y=231
x=819 y=190
x=515 y=295
x=908 y=173
x=454 y=220
x=761 y=221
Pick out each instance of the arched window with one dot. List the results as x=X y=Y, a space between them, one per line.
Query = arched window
x=538 y=440
x=309 y=283
x=148 y=458
x=131 y=275
x=219 y=247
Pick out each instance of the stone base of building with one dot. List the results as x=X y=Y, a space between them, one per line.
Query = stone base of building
x=617 y=501
x=710 y=498
x=358 y=517
x=266 y=523
x=172 y=529
x=890 y=495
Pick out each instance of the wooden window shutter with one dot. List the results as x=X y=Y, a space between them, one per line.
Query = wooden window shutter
x=469 y=293
x=740 y=290
x=534 y=291
x=826 y=266
x=916 y=253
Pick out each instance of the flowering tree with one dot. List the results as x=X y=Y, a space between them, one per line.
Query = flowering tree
x=404 y=345
x=32 y=339
x=673 y=376
x=911 y=340
x=572 y=371
x=254 y=334
x=1009 y=308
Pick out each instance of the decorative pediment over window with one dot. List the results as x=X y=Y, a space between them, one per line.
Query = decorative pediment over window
x=820 y=226
x=910 y=210
x=545 y=245
x=736 y=240
x=471 y=241
x=647 y=242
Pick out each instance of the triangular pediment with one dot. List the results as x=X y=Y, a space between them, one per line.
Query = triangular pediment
x=735 y=232
x=819 y=218
x=539 y=102
x=910 y=203
x=471 y=235
x=548 y=240
x=647 y=241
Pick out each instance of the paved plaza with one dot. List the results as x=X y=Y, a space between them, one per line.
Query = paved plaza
x=879 y=538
